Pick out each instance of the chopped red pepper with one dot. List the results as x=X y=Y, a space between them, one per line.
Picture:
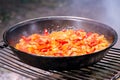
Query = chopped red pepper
x=62 y=43
x=46 y=32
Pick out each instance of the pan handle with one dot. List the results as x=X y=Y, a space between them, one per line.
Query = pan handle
x=3 y=45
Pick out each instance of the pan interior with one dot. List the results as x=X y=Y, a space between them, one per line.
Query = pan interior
x=37 y=26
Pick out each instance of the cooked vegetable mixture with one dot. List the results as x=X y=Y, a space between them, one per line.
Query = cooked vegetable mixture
x=62 y=43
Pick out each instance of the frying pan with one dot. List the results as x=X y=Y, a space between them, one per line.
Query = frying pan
x=56 y=23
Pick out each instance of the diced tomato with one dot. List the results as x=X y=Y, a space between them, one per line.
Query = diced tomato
x=64 y=30
x=88 y=34
x=76 y=40
x=90 y=51
x=44 y=50
x=93 y=43
x=58 y=54
x=62 y=43
x=26 y=38
x=46 y=32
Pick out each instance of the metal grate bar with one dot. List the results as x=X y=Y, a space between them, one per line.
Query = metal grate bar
x=16 y=64
x=81 y=75
x=82 y=72
x=18 y=68
x=75 y=75
x=115 y=49
x=113 y=56
x=105 y=72
x=107 y=68
x=16 y=71
x=98 y=72
x=67 y=76
x=111 y=67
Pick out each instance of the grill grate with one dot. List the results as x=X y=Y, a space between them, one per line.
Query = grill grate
x=108 y=68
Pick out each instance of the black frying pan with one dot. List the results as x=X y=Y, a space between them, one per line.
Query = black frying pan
x=56 y=23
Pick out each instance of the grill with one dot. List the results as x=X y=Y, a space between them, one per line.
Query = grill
x=107 y=69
